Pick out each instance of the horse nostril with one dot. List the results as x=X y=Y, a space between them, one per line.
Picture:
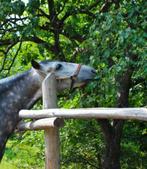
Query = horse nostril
x=93 y=71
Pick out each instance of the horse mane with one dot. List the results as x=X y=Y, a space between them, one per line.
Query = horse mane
x=7 y=82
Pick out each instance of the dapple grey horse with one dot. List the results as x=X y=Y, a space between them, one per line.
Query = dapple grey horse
x=23 y=90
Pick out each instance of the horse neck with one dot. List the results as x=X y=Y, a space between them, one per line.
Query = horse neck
x=22 y=89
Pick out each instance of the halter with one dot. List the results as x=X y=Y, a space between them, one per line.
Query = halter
x=72 y=77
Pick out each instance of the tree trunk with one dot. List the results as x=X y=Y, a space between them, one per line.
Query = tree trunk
x=112 y=155
x=112 y=136
x=112 y=130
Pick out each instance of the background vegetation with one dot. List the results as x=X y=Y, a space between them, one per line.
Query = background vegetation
x=106 y=34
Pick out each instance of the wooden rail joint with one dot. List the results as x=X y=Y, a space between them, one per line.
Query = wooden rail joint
x=50 y=119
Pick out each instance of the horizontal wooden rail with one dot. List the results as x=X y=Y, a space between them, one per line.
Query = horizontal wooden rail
x=85 y=113
x=41 y=124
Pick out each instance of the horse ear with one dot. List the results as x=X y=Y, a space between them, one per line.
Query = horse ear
x=35 y=64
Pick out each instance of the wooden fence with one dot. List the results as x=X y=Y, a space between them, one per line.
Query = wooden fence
x=50 y=119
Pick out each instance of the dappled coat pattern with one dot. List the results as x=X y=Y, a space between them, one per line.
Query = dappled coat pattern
x=22 y=91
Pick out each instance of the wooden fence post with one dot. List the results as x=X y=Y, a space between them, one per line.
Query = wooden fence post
x=52 y=159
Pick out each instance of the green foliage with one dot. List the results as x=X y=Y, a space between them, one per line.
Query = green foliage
x=25 y=150
x=108 y=35
x=134 y=145
x=81 y=144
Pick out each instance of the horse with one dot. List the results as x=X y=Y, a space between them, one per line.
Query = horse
x=22 y=91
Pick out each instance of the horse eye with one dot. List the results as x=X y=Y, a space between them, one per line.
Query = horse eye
x=58 y=66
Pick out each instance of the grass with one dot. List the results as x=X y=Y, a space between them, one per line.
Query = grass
x=25 y=152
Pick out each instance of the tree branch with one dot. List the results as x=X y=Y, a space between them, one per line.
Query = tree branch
x=52 y=11
x=81 y=11
x=93 y=5
x=13 y=20
x=77 y=37
x=43 y=13
x=62 y=7
x=32 y=39
x=14 y=58
x=7 y=42
x=138 y=81
x=105 y=7
x=5 y=55
x=46 y=27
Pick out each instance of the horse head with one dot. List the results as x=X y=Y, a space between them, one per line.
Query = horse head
x=68 y=75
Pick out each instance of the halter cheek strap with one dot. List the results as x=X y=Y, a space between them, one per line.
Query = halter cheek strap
x=74 y=76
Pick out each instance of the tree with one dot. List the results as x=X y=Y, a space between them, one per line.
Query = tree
x=110 y=35
x=56 y=27
x=117 y=41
